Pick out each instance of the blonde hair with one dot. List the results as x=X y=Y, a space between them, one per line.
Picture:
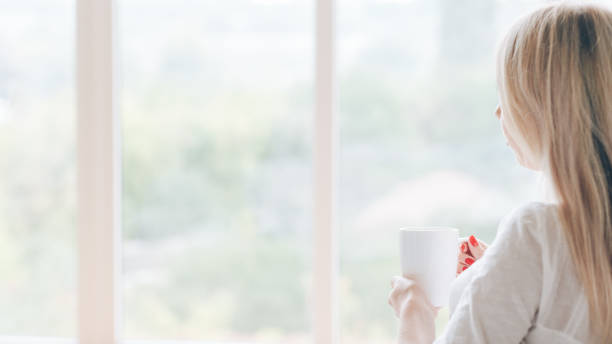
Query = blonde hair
x=555 y=80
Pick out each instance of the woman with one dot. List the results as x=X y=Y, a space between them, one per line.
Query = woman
x=547 y=278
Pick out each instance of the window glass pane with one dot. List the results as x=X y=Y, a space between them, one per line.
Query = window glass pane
x=37 y=168
x=217 y=107
x=420 y=144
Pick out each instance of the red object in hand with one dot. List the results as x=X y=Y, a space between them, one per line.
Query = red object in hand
x=464 y=248
x=469 y=261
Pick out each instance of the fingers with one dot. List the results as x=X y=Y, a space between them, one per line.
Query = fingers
x=461 y=267
x=462 y=255
x=463 y=262
x=406 y=294
x=401 y=290
x=475 y=246
x=483 y=244
x=400 y=282
x=466 y=259
x=463 y=247
x=469 y=250
x=393 y=302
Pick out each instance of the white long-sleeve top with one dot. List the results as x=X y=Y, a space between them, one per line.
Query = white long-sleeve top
x=523 y=290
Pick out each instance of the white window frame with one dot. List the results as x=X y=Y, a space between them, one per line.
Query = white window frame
x=99 y=177
x=325 y=255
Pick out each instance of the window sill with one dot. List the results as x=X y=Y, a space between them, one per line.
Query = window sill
x=56 y=340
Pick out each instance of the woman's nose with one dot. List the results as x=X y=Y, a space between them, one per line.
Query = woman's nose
x=498 y=112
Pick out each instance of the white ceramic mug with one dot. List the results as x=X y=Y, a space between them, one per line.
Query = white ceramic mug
x=430 y=255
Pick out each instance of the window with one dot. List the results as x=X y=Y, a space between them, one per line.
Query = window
x=216 y=110
x=419 y=142
x=37 y=168
x=256 y=138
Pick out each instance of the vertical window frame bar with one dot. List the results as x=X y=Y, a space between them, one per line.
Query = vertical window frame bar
x=325 y=258
x=98 y=175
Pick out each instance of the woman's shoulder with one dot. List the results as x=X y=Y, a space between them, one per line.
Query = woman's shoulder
x=534 y=210
x=534 y=222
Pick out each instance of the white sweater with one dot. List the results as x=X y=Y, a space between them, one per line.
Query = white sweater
x=523 y=290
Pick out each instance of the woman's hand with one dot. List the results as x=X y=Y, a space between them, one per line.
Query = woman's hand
x=470 y=250
x=415 y=313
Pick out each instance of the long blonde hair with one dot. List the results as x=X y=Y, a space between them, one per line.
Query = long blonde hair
x=555 y=80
